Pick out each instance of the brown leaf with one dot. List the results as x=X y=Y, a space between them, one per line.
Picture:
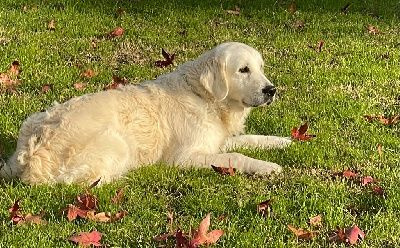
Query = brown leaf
x=301 y=233
x=86 y=239
x=33 y=219
x=388 y=121
x=116 y=83
x=117 y=32
x=9 y=79
x=345 y=8
x=349 y=174
x=98 y=217
x=316 y=221
x=118 y=197
x=94 y=184
x=51 y=25
x=120 y=11
x=301 y=133
x=228 y=171
x=73 y=212
x=367 y=180
x=87 y=201
x=46 y=88
x=163 y=237
x=372 y=29
x=292 y=8
x=264 y=208
x=202 y=236
x=168 y=59
x=80 y=86
x=118 y=215
x=299 y=24
x=234 y=11
x=89 y=73
x=378 y=190
x=319 y=46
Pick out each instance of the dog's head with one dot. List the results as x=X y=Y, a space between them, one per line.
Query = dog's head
x=234 y=71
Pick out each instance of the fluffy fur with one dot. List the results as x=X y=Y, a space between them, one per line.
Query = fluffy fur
x=189 y=117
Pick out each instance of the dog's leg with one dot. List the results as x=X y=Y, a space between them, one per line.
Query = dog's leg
x=236 y=160
x=256 y=141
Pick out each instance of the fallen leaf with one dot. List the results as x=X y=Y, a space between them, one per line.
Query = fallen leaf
x=116 y=83
x=94 y=184
x=89 y=73
x=46 y=88
x=118 y=197
x=379 y=148
x=349 y=174
x=301 y=133
x=388 y=121
x=316 y=221
x=169 y=59
x=51 y=25
x=229 y=171
x=87 y=201
x=163 y=237
x=350 y=235
x=202 y=236
x=73 y=212
x=117 y=32
x=301 y=233
x=353 y=234
x=15 y=212
x=181 y=240
x=264 y=208
x=234 y=11
x=33 y=219
x=119 y=215
x=378 y=190
x=80 y=86
x=367 y=180
x=120 y=11
x=292 y=8
x=372 y=29
x=319 y=46
x=299 y=24
x=86 y=239
x=9 y=79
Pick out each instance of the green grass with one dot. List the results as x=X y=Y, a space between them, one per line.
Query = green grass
x=356 y=73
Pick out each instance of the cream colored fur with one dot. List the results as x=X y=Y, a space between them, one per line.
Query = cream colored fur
x=189 y=117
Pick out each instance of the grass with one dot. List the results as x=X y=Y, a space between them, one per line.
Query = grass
x=356 y=73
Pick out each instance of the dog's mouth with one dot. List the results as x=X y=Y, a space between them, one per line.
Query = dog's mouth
x=266 y=103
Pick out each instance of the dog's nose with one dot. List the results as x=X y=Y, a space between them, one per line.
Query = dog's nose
x=269 y=90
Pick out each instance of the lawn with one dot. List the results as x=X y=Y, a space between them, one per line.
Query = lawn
x=355 y=72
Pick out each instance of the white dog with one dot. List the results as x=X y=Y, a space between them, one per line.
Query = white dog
x=189 y=117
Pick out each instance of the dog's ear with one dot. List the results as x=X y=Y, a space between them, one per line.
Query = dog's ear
x=213 y=78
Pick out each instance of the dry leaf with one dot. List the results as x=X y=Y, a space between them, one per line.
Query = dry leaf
x=168 y=59
x=372 y=29
x=319 y=46
x=94 y=184
x=89 y=73
x=80 y=86
x=51 y=25
x=316 y=221
x=345 y=8
x=46 y=88
x=367 y=180
x=33 y=219
x=9 y=79
x=349 y=235
x=264 y=208
x=116 y=83
x=301 y=233
x=117 y=32
x=234 y=11
x=86 y=239
x=202 y=236
x=301 y=133
x=299 y=24
x=349 y=174
x=118 y=197
x=378 y=190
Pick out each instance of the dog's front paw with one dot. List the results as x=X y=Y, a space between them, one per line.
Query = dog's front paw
x=266 y=168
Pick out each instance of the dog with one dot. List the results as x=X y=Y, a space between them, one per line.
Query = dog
x=189 y=117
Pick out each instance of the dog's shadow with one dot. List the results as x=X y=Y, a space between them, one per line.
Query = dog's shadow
x=7 y=146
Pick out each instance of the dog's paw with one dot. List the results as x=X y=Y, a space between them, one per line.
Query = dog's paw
x=266 y=168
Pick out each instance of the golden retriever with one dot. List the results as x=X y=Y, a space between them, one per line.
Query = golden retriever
x=189 y=117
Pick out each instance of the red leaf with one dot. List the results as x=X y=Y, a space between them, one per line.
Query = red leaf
x=264 y=208
x=80 y=86
x=353 y=234
x=367 y=180
x=181 y=240
x=169 y=59
x=117 y=32
x=73 y=212
x=86 y=239
x=378 y=190
x=301 y=133
x=202 y=236
x=86 y=201
x=349 y=174
x=15 y=213
x=301 y=233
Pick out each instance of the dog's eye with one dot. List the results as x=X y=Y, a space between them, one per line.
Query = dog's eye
x=244 y=69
